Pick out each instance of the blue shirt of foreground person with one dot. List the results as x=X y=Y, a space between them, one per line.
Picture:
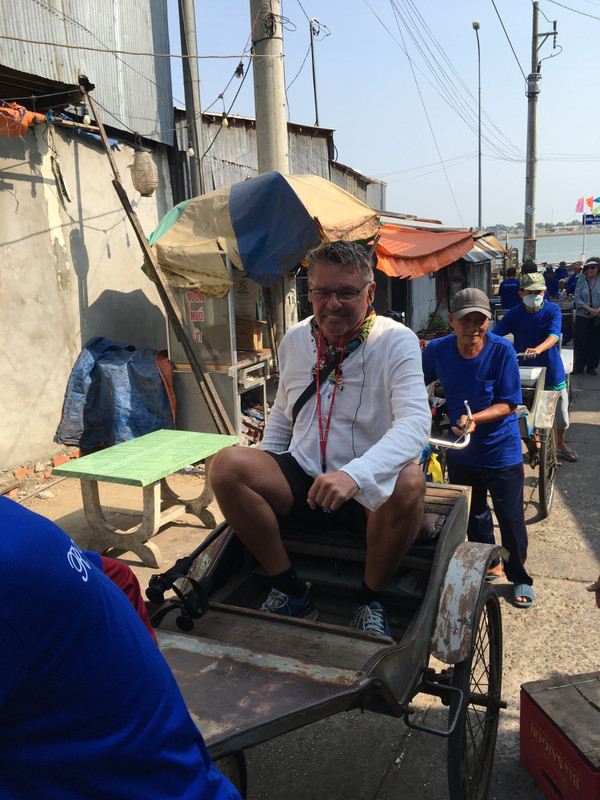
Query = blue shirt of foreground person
x=482 y=368
x=88 y=706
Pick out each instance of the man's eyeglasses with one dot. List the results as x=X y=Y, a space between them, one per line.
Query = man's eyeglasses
x=344 y=295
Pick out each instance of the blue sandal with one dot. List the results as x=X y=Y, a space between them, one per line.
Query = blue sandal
x=523 y=590
x=568 y=454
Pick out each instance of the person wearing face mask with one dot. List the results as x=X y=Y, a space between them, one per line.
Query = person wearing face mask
x=535 y=325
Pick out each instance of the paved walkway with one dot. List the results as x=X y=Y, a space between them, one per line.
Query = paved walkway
x=369 y=757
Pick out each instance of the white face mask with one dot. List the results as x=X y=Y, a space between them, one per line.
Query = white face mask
x=533 y=300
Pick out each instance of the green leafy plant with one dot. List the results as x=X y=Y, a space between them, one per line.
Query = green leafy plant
x=436 y=322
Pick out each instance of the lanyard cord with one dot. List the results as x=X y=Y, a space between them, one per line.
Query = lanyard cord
x=323 y=435
x=591 y=288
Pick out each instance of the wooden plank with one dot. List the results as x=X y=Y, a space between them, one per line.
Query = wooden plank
x=313 y=642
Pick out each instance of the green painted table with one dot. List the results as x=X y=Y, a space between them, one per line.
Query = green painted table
x=146 y=462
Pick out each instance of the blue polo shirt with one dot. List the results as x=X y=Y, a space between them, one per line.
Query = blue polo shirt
x=509 y=292
x=560 y=273
x=532 y=328
x=491 y=377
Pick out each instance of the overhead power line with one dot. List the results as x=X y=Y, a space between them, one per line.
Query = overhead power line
x=509 y=41
x=118 y=52
x=452 y=90
x=574 y=10
x=431 y=127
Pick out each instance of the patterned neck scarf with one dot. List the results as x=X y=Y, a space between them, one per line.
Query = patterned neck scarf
x=328 y=352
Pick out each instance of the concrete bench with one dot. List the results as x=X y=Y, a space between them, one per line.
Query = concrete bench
x=146 y=462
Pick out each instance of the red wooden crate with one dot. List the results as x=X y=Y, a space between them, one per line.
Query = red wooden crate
x=560 y=735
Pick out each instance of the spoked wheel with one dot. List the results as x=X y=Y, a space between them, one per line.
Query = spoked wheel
x=471 y=746
x=548 y=462
x=233 y=766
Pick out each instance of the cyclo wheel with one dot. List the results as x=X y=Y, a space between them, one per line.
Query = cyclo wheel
x=233 y=766
x=471 y=745
x=548 y=462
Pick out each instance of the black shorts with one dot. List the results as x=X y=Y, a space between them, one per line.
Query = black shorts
x=350 y=516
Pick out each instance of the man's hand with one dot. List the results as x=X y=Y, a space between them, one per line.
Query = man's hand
x=331 y=489
x=464 y=425
x=531 y=352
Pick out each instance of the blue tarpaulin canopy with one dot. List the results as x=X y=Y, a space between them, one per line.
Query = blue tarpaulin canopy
x=266 y=225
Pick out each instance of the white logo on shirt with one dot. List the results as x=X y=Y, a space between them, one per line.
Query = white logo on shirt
x=78 y=562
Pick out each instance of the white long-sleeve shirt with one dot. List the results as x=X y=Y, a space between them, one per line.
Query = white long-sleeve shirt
x=380 y=420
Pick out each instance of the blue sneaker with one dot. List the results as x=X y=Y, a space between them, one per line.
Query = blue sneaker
x=289 y=606
x=371 y=618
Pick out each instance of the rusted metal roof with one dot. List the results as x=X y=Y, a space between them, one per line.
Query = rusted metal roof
x=485 y=248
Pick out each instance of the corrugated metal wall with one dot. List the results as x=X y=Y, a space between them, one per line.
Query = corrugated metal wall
x=133 y=92
x=371 y=192
x=421 y=292
x=231 y=152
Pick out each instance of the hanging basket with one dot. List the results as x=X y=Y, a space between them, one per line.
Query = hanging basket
x=144 y=174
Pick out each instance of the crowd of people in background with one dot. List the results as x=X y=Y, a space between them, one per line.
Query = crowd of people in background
x=582 y=288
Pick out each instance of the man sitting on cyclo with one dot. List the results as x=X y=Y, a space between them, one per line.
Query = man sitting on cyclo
x=342 y=442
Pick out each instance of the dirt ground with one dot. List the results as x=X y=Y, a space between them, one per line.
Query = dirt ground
x=367 y=757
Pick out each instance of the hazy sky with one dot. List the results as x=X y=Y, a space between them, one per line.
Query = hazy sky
x=418 y=132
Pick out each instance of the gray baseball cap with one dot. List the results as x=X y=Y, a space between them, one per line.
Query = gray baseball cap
x=468 y=300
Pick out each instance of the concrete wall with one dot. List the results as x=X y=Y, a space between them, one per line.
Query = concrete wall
x=69 y=271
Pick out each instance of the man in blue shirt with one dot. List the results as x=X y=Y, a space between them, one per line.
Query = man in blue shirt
x=509 y=289
x=551 y=282
x=88 y=706
x=479 y=367
x=535 y=326
x=560 y=273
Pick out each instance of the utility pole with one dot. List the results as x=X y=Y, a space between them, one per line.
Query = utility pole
x=269 y=87
x=314 y=30
x=191 y=84
x=476 y=26
x=272 y=133
x=533 y=89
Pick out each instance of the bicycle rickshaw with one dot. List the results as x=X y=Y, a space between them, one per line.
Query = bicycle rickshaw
x=536 y=425
x=248 y=676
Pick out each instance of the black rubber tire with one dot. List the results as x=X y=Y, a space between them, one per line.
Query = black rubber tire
x=548 y=462
x=472 y=744
x=233 y=766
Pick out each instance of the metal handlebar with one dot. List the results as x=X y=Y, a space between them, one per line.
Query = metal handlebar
x=462 y=441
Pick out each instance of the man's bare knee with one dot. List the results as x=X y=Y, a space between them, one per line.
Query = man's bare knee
x=230 y=466
x=236 y=470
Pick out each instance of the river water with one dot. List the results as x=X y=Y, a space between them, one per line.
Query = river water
x=557 y=248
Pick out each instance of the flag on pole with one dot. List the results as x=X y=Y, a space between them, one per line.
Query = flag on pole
x=590 y=202
x=579 y=206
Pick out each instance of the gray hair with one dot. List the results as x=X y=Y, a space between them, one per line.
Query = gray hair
x=349 y=255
